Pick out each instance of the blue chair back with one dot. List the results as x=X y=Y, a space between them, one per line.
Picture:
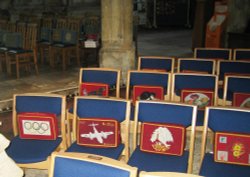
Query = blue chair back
x=99 y=75
x=239 y=67
x=148 y=78
x=242 y=54
x=46 y=34
x=70 y=37
x=197 y=65
x=193 y=81
x=164 y=112
x=236 y=84
x=38 y=103
x=92 y=107
x=80 y=164
x=228 y=119
x=213 y=53
x=154 y=62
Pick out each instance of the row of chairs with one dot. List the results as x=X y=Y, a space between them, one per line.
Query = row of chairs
x=170 y=86
x=152 y=147
x=194 y=65
x=222 y=53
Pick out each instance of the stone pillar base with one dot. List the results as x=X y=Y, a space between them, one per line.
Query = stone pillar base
x=123 y=59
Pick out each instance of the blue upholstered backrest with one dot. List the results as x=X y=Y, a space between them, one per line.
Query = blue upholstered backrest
x=183 y=81
x=237 y=84
x=242 y=55
x=46 y=34
x=213 y=53
x=101 y=108
x=100 y=76
x=233 y=67
x=57 y=36
x=39 y=104
x=70 y=37
x=197 y=65
x=165 y=113
x=65 y=167
x=159 y=63
x=220 y=119
x=13 y=40
x=152 y=79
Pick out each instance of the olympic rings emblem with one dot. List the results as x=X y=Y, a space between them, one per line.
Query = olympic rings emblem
x=40 y=127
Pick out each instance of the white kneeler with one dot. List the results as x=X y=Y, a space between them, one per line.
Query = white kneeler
x=8 y=168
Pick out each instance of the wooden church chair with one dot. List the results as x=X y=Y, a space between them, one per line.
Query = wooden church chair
x=66 y=41
x=150 y=79
x=213 y=53
x=156 y=63
x=166 y=174
x=98 y=82
x=233 y=68
x=45 y=38
x=65 y=164
x=6 y=41
x=197 y=89
x=96 y=124
x=27 y=55
x=236 y=91
x=228 y=155
x=195 y=65
x=39 y=129
x=147 y=85
x=241 y=54
x=159 y=136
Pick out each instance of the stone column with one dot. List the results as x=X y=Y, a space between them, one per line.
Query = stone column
x=118 y=49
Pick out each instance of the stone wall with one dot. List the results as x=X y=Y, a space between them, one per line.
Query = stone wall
x=239 y=15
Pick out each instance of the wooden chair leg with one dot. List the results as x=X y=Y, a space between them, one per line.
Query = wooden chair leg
x=17 y=67
x=51 y=57
x=78 y=56
x=64 y=59
x=8 y=64
x=35 y=62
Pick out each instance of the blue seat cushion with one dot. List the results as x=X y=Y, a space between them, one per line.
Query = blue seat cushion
x=132 y=112
x=145 y=161
x=210 y=168
x=200 y=118
x=71 y=110
x=113 y=153
x=18 y=51
x=31 y=151
x=62 y=45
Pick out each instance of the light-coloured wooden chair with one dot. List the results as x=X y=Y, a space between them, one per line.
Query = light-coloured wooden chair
x=96 y=108
x=241 y=54
x=150 y=151
x=65 y=164
x=197 y=89
x=236 y=85
x=27 y=55
x=213 y=53
x=156 y=63
x=223 y=157
x=196 y=65
x=38 y=127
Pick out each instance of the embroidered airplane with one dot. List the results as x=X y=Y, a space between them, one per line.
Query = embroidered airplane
x=96 y=134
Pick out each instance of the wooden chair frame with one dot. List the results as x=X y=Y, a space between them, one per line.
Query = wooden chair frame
x=136 y=129
x=124 y=124
x=156 y=58
x=198 y=59
x=63 y=145
x=167 y=96
x=229 y=50
x=240 y=50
